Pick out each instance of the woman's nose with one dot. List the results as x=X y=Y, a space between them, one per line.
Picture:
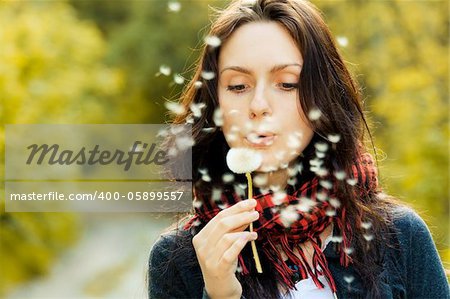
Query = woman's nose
x=259 y=105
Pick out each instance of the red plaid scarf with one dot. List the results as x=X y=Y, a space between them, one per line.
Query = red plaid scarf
x=308 y=226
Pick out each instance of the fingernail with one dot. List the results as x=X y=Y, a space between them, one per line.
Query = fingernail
x=253 y=235
x=250 y=202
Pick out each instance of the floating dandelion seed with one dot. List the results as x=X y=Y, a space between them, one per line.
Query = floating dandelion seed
x=218 y=117
x=275 y=188
x=206 y=178
x=162 y=133
x=172 y=152
x=351 y=182
x=320 y=155
x=335 y=203
x=203 y=170
x=248 y=2
x=334 y=138
x=342 y=40
x=288 y=216
x=213 y=41
x=349 y=279
x=197 y=203
x=278 y=198
x=366 y=225
x=178 y=79
x=320 y=171
x=284 y=165
x=368 y=237
x=294 y=141
x=197 y=109
x=238 y=269
x=340 y=175
x=292 y=181
x=314 y=114
x=305 y=204
x=321 y=146
x=336 y=239
x=292 y=171
x=233 y=112
x=227 y=178
x=242 y=186
x=280 y=155
x=315 y=162
x=189 y=119
x=198 y=84
x=196 y=223
x=184 y=142
x=175 y=107
x=348 y=250
x=322 y=196
x=330 y=213
x=207 y=75
x=174 y=6
x=165 y=70
x=231 y=137
x=326 y=184
x=216 y=194
x=260 y=179
x=208 y=130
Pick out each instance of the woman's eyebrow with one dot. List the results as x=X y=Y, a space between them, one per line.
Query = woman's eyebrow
x=274 y=69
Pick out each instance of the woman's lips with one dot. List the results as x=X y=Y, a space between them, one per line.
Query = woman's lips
x=260 y=140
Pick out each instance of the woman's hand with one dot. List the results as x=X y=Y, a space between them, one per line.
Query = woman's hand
x=218 y=245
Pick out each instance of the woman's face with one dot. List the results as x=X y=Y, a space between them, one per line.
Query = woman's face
x=259 y=68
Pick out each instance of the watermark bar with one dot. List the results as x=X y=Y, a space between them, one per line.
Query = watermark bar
x=98 y=168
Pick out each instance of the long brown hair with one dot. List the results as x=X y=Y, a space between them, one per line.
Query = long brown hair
x=325 y=84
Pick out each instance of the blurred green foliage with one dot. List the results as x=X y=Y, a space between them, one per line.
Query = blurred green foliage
x=96 y=62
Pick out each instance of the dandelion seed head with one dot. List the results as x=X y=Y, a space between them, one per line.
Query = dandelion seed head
x=314 y=114
x=243 y=160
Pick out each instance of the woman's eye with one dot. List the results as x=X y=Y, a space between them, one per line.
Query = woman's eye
x=289 y=86
x=236 y=88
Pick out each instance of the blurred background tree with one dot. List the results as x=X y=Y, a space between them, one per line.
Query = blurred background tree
x=81 y=61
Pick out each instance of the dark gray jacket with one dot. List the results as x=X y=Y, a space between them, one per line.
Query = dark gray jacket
x=414 y=271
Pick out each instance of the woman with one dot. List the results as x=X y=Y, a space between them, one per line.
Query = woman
x=322 y=226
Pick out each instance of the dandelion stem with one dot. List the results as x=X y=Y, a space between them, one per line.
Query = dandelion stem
x=255 y=252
